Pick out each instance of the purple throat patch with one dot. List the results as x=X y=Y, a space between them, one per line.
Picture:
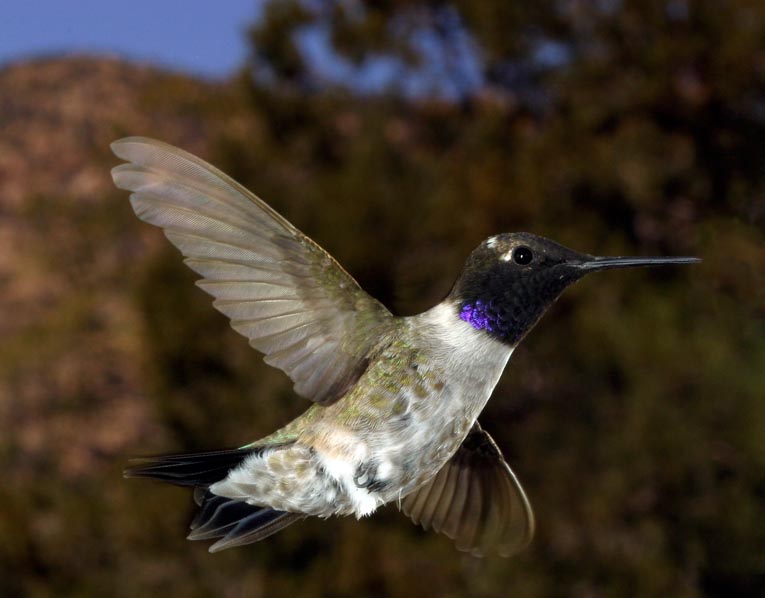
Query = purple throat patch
x=477 y=315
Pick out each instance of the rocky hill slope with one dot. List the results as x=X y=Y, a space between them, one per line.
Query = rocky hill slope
x=66 y=235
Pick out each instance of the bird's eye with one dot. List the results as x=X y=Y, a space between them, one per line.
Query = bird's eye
x=522 y=256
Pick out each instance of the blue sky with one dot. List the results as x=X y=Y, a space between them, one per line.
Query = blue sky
x=204 y=37
x=198 y=36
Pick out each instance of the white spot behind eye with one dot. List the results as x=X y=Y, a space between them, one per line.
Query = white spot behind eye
x=507 y=256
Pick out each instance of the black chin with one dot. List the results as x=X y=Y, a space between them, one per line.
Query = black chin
x=508 y=307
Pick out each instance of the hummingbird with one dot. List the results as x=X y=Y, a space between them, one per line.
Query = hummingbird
x=395 y=400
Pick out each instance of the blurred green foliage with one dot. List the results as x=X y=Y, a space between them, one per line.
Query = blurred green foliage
x=634 y=414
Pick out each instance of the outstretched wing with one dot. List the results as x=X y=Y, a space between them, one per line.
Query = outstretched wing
x=476 y=500
x=281 y=290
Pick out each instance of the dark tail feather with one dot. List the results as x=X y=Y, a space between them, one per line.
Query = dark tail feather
x=236 y=522
x=200 y=469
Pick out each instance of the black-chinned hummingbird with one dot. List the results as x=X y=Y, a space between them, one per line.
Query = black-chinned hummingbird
x=396 y=399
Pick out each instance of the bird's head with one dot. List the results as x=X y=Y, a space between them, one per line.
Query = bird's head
x=511 y=279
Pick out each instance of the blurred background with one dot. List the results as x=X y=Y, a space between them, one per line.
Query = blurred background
x=398 y=134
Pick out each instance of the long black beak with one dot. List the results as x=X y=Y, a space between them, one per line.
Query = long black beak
x=606 y=263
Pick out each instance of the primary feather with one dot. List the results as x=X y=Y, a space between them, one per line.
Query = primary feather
x=281 y=290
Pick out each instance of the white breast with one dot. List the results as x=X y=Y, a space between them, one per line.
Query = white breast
x=473 y=359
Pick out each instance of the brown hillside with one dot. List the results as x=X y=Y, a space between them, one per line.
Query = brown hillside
x=61 y=265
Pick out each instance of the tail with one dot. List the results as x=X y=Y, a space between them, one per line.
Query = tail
x=197 y=470
x=234 y=522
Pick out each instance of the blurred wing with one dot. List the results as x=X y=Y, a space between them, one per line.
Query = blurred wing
x=280 y=289
x=476 y=500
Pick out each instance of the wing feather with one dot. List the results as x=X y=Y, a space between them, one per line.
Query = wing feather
x=281 y=290
x=476 y=500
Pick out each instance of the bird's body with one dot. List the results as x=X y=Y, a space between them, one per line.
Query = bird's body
x=396 y=399
x=429 y=378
